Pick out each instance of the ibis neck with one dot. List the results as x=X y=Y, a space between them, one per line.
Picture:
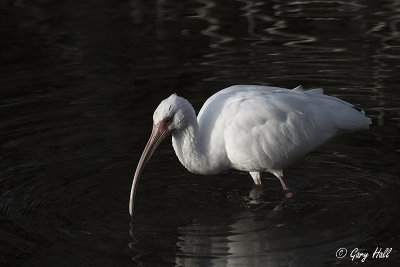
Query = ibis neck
x=188 y=148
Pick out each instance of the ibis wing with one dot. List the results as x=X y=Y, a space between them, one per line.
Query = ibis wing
x=272 y=131
x=268 y=128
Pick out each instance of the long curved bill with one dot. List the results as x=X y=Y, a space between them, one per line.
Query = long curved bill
x=157 y=135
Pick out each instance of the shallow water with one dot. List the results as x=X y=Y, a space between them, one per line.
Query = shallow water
x=79 y=83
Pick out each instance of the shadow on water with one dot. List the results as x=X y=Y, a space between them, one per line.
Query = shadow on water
x=79 y=82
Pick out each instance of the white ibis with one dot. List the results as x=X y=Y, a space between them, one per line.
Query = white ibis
x=249 y=128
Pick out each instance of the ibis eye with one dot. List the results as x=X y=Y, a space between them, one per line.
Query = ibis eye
x=167 y=121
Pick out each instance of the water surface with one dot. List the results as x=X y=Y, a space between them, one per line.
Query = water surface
x=79 y=83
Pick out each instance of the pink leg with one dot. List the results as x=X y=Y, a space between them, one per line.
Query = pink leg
x=283 y=183
x=256 y=177
x=285 y=188
x=279 y=175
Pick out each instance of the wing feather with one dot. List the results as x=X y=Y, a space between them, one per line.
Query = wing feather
x=267 y=128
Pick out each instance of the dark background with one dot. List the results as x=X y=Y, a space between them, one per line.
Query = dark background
x=79 y=81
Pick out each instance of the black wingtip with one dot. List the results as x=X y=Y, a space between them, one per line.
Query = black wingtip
x=357 y=108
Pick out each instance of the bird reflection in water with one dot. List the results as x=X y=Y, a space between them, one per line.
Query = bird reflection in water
x=198 y=243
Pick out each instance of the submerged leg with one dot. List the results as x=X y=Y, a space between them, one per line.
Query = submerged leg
x=256 y=177
x=255 y=194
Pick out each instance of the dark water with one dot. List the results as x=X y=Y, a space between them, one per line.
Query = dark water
x=79 y=83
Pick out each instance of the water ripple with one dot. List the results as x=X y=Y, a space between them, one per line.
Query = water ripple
x=79 y=84
x=317 y=220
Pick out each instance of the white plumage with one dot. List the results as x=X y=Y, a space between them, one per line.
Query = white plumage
x=250 y=128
